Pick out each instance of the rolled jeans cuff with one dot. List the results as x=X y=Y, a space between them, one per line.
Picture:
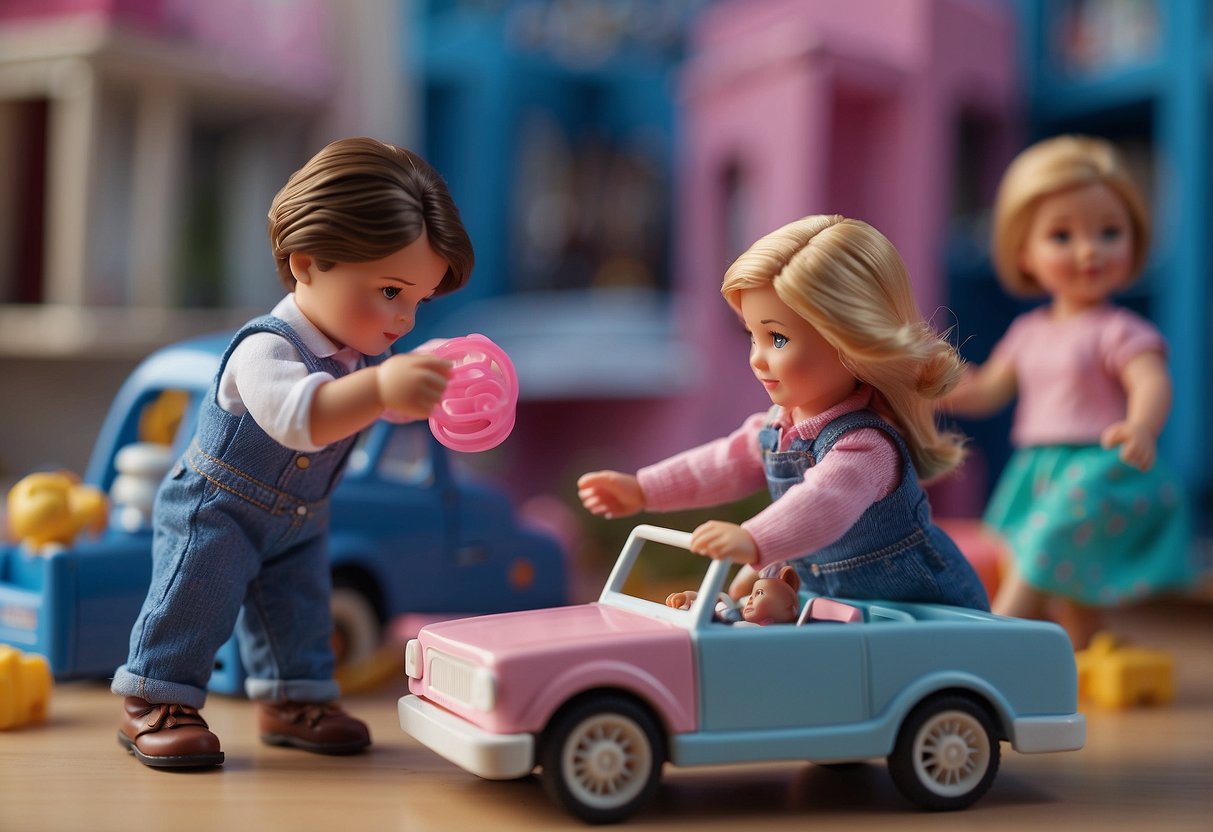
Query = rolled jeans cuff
x=155 y=691
x=292 y=690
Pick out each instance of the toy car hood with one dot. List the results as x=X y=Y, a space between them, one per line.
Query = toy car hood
x=495 y=638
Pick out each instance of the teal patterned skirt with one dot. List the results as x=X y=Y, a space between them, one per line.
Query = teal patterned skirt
x=1084 y=525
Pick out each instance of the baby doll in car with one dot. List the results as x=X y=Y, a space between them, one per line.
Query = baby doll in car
x=771 y=601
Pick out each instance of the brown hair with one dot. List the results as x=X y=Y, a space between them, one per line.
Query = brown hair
x=847 y=280
x=360 y=199
x=1050 y=167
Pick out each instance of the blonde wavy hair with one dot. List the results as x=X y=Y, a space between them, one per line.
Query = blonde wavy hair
x=846 y=279
x=1050 y=167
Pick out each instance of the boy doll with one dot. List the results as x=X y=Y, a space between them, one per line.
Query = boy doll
x=361 y=234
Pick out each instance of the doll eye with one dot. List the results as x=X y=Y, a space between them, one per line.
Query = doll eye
x=390 y=292
x=1111 y=233
x=779 y=340
x=1060 y=236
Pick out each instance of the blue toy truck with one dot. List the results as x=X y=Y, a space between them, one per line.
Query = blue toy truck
x=409 y=535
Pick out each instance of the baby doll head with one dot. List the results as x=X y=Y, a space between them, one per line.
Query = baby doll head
x=847 y=280
x=1051 y=167
x=360 y=199
x=774 y=600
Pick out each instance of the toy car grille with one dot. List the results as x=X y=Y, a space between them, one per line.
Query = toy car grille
x=451 y=677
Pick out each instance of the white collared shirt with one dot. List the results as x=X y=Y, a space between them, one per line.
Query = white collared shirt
x=266 y=377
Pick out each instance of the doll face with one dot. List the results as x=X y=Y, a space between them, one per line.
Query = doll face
x=799 y=369
x=368 y=305
x=1079 y=246
x=771 y=601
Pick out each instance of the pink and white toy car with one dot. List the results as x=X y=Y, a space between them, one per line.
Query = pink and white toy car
x=602 y=695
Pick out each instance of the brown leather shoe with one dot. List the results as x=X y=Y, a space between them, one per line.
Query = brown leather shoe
x=167 y=736
x=322 y=728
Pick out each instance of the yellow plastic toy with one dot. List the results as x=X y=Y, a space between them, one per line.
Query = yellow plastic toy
x=48 y=509
x=25 y=687
x=1113 y=675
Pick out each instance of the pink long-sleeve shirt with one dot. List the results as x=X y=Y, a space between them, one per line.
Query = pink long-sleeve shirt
x=863 y=466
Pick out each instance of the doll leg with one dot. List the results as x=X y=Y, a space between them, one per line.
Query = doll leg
x=200 y=568
x=284 y=634
x=1080 y=621
x=201 y=563
x=1017 y=598
x=286 y=625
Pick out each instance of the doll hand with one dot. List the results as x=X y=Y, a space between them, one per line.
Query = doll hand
x=610 y=493
x=412 y=383
x=1137 y=444
x=743 y=582
x=724 y=541
x=681 y=600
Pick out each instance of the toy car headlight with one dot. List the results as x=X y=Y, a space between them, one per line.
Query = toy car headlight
x=484 y=689
x=413 y=664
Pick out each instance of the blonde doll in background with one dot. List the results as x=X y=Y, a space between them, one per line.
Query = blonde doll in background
x=1090 y=516
x=842 y=350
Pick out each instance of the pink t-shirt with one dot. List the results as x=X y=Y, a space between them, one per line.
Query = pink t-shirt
x=864 y=466
x=1068 y=371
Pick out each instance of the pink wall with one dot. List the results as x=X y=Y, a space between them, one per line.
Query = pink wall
x=147 y=13
x=289 y=44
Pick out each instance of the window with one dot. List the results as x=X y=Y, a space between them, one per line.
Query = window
x=407 y=456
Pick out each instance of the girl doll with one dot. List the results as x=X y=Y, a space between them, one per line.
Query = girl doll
x=839 y=345
x=1089 y=516
x=362 y=234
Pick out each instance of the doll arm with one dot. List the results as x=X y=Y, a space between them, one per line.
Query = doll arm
x=409 y=384
x=708 y=475
x=718 y=472
x=863 y=467
x=1148 y=389
x=984 y=390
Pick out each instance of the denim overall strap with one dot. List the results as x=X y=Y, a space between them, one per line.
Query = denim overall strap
x=783 y=469
x=235 y=454
x=893 y=551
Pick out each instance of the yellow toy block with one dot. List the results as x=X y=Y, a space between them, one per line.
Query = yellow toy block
x=1115 y=676
x=25 y=687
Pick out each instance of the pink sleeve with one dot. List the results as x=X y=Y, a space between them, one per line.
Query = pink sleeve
x=1127 y=336
x=1008 y=345
x=719 y=472
x=862 y=467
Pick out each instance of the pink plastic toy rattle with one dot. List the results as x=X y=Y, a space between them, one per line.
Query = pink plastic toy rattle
x=477 y=411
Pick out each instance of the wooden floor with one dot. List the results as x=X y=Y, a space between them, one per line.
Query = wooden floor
x=1145 y=769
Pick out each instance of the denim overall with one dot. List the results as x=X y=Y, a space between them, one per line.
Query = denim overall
x=240 y=541
x=893 y=552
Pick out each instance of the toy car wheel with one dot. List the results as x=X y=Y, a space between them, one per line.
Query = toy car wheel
x=356 y=630
x=946 y=754
x=602 y=758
